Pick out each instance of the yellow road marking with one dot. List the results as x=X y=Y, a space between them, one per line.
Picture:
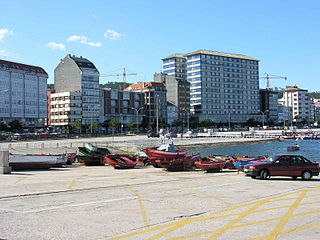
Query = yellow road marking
x=20 y=179
x=142 y=208
x=74 y=181
x=211 y=196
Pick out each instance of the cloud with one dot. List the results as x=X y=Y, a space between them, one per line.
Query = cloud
x=5 y=32
x=4 y=53
x=112 y=35
x=84 y=40
x=58 y=46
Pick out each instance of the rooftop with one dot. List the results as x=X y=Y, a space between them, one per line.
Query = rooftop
x=175 y=55
x=144 y=85
x=23 y=67
x=216 y=53
x=82 y=62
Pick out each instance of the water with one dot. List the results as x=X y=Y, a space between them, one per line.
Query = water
x=308 y=148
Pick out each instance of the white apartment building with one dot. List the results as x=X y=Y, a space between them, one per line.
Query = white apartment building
x=23 y=94
x=65 y=109
x=300 y=105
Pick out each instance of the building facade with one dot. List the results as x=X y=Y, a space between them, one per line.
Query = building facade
x=124 y=106
x=299 y=103
x=23 y=94
x=269 y=104
x=316 y=102
x=221 y=84
x=154 y=101
x=79 y=74
x=65 y=110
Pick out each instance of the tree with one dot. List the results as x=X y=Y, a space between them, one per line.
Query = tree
x=76 y=125
x=177 y=123
x=206 y=123
x=113 y=124
x=131 y=126
x=3 y=127
x=15 y=125
x=252 y=123
x=94 y=126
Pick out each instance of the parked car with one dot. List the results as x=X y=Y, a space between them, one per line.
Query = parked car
x=283 y=165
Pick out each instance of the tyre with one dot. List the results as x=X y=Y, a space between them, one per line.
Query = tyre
x=253 y=177
x=306 y=175
x=294 y=177
x=264 y=174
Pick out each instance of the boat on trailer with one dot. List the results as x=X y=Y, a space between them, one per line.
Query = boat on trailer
x=119 y=161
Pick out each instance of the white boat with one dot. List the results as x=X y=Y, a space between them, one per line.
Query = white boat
x=17 y=161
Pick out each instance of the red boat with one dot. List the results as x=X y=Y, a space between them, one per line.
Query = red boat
x=119 y=161
x=211 y=164
x=154 y=153
x=178 y=164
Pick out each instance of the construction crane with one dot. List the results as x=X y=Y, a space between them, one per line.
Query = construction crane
x=124 y=75
x=271 y=76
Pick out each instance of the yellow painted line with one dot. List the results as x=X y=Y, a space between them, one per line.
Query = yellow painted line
x=74 y=181
x=301 y=228
x=211 y=196
x=275 y=233
x=20 y=179
x=142 y=208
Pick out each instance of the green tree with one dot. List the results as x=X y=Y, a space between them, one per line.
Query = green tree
x=76 y=125
x=252 y=123
x=206 y=123
x=3 y=127
x=177 y=123
x=15 y=125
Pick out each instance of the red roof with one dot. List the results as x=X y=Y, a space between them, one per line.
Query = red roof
x=20 y=66
x=144 y=85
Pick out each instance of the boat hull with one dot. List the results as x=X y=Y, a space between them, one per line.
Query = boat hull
x=121 y=161
x=24 y=162
x=154 y=153
x=208 y=165
x=178 y=164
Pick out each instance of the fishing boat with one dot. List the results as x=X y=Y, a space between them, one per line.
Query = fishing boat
x=40 y=161
x=211 y=164
x=239 y=163
x=294 y=147
x=178 y=164
x=119 y=161
x=91 y=155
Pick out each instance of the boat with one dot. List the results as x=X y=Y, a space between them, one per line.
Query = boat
x=91 y=155
x=294 y=147
x=163 y=152
x=178 y=164
x=37 y=161
x=211 y=164
x=239 y=163
x=119 y=161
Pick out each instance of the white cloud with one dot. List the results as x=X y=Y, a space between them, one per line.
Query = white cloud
x=58 y=46
x=5 y=32
x=4 y=53
x=112 y=35
x=84 y=40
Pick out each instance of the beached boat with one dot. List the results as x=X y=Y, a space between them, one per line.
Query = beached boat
x=91 y=155
x=295 y=147
x=178 y=164
x=18 y=162
x=239 y=163
x=211 y=164
x=119 y=161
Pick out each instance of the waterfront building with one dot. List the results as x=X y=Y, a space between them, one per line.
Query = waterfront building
x=178 y=92
x=172 y=113
x=65 y=109
x=78 y=74
x=269 y=104
x=316 y=102
x=23 y=94
x=154 y=101
x=124 y=106
x=300 y=105
x=222 y=85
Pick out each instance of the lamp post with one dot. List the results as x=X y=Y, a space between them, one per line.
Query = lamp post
x=137 y=113
x=263 y=113
x=91 y=120
x=157 y=113
x=187 y=112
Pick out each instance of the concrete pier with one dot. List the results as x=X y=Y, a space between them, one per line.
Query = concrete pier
x=4 y=162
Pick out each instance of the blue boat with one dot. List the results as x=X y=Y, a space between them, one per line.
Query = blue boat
x=295 y=147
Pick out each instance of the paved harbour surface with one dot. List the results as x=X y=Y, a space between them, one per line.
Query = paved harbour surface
x=81 y=202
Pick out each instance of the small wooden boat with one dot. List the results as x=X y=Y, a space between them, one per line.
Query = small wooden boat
x=295 y=147
x=40 y=161
x=91 y=155
x=178 y=164
x=166 y=151
x=119 y=161
x=210 y=164
x=239 y=164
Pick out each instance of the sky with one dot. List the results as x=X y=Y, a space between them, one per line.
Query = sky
x=283 y=34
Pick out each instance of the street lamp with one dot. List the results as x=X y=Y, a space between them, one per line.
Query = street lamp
x=137 y=112
x=263 y=113
x=157 y=112
x=187 y=112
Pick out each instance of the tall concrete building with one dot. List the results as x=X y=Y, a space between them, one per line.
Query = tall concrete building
x=23 y=94
x=178 y=93
x=154 y=100
x=269 y=104
x=300 y=104
x=79 y=74
x=223 y=86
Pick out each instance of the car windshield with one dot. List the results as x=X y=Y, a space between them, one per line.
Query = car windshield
x=272 y=158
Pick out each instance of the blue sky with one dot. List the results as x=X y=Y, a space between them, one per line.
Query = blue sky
x=283 y=34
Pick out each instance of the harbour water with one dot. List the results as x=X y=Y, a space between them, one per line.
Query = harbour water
x=308 y=148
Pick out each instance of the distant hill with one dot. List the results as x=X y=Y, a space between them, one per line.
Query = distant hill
x=115 y=85
x=314 y=94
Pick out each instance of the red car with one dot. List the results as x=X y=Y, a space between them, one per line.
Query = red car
x=283 y=165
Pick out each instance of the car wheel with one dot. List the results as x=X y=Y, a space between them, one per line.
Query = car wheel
x=253 y=177
x=264 y=174
x=294 y=177
x=306 y=175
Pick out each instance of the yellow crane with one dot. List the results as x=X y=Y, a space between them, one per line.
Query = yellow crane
x=269 y=76
x=124 y=75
